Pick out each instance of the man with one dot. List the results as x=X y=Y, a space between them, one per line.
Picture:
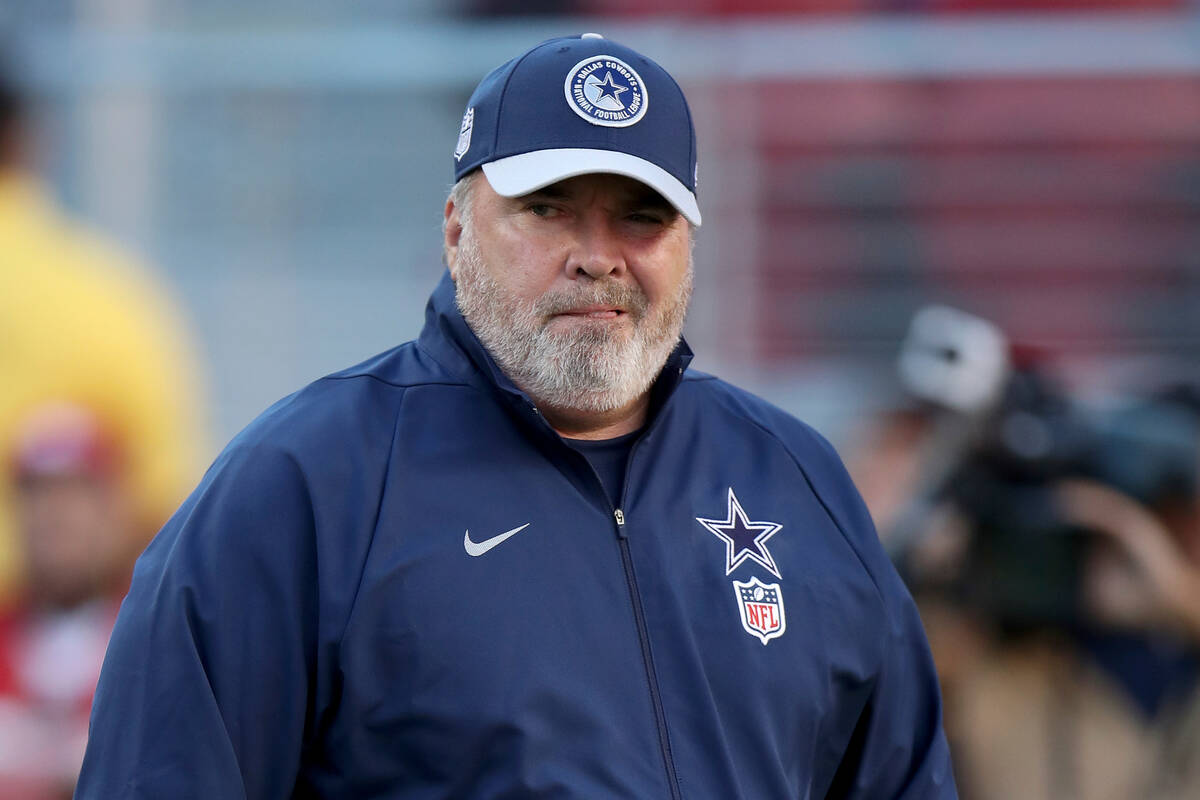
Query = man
x=528 y=555
x=74 y=513
x=81 y=324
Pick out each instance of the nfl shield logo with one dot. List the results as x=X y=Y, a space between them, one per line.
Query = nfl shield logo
x=761 y=605
x=464 y=134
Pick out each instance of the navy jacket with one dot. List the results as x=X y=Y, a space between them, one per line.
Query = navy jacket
x=310 y=623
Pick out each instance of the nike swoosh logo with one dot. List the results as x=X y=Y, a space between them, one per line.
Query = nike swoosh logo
x=479 y=548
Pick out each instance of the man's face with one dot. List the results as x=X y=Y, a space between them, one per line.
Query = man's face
x=579 y=290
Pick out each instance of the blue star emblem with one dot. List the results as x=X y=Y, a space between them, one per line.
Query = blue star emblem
x=743 y=538
x=609 y=89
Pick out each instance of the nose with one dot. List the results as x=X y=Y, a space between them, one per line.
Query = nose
x=596 y=251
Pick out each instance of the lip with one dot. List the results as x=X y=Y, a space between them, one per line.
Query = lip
x=594 y=312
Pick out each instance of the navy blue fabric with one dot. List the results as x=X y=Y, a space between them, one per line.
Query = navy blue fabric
x=608 y=457
x=1151 y=670
x=310 y=624
x=521 y=106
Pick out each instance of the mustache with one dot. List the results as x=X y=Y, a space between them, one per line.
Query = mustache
x=609 y=293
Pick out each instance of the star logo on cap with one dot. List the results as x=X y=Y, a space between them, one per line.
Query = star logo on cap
x=607 y=88
x=606 y=91
x=743 y=538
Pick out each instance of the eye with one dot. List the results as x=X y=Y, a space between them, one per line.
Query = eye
x=651 y=218
x=542 y=210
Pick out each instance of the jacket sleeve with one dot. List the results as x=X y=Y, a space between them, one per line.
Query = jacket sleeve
x=204 y=688
x=898 y=750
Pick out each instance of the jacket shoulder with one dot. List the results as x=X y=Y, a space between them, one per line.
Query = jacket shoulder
x=404 y=365
x=805 y=444
x=354 y=406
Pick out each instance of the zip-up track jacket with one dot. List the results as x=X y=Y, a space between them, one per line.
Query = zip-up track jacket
x=312 y=624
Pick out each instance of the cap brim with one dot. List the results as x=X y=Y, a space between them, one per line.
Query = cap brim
x=528 y=172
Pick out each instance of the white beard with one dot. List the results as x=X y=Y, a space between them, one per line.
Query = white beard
x=583 y=368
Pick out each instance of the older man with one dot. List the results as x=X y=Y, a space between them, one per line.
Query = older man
x=529 y=554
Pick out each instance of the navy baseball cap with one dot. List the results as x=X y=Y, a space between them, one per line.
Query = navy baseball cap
x=575 y=106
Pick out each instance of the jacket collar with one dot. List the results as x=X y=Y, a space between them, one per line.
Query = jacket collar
x=447 y=337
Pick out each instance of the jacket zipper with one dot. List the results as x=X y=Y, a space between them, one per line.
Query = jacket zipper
x=660 y=716
x=639 y=617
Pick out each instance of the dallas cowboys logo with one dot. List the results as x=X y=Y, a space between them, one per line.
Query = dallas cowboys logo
x=743 y=538
x=604 y=90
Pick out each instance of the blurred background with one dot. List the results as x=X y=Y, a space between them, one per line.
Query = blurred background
x=258 y=186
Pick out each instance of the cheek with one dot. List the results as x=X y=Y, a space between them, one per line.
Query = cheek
x=664 y=282
x=528 y=270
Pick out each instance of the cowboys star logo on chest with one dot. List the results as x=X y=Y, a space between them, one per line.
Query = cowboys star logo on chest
x=743 y=539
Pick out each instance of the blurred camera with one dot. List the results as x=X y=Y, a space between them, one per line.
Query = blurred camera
x=1005 y=435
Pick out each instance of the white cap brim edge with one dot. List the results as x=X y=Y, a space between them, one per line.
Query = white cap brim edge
x=527 y=172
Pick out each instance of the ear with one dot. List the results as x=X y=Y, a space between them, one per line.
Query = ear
x=452 y=233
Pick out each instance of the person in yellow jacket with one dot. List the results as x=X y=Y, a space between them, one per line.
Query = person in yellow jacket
x=80 y=323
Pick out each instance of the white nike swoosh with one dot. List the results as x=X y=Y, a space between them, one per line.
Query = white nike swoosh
x=479 y=548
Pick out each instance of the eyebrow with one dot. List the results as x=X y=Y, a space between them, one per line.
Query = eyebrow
x=648 y=198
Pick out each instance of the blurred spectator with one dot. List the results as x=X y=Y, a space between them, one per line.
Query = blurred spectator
x=1107 y=708
x=75 y=517
x=79 y=323
x=1059 y=585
